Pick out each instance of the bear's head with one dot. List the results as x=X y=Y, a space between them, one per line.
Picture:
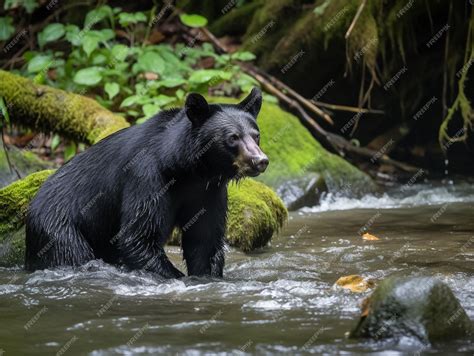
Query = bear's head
x=226 y=136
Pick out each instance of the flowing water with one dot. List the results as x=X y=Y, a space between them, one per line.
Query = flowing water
x=279 y=300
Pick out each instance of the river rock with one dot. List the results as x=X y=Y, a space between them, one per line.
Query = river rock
x=301 y=192
x=420 y=307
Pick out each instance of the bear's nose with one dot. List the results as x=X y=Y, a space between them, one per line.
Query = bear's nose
x=261 y=163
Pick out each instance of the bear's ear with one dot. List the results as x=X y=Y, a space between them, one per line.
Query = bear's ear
x=197 y=108
x=252 y=103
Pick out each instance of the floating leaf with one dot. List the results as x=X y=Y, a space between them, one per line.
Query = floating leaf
x=112 y=89
x=369 y=237
x=193 y=20
x=88 y=76
x=354 y=283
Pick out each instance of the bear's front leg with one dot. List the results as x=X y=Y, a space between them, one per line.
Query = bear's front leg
x=142 y=236
x=203 y=238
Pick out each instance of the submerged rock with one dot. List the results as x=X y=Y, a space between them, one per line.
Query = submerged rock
x=421 y=307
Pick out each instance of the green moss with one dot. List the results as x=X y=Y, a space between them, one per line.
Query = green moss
x=14 y=200
x=235 y=22
x=49 y=109
x=255 y=215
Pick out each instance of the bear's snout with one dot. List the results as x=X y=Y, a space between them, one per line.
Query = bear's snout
x=260 y=163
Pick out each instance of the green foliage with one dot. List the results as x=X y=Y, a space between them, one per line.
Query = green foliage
x=6 y=28
x=126 y=74
x=50 y=33
x=28 y=5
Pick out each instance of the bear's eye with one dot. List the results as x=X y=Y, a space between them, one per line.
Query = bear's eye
x=233 y=139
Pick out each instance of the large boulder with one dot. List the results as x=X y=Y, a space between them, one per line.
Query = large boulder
x=420 y=307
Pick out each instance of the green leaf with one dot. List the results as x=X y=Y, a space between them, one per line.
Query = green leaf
x=171 y=82
x=88 y=76
x=70 y=151
x=52 y=32
x=55 y=142
x=141 y=120
x=130 y=101
x=127 y=19
x=193 y=20
x=150 y=109
x=97 y=15
x=89 y=44
x=6 y=28
x=162 y=100
x=4 y=110
x=72 y=34
x=150 y=62
x=119 y=52
x=243 y=56
x=39 y=63
x=112 y=89
x=206 y=75
x=28 y=5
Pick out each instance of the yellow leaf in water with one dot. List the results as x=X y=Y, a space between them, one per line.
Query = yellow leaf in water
x=369 y=237
x=354 y=283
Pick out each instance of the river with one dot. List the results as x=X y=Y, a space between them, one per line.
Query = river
x=277 y=300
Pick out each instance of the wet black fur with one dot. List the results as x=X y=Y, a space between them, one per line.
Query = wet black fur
x=120 y=199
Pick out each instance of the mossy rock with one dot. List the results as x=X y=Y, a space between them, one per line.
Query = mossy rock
x=255 y=215
x=25 y=162
x=14 y=200
x=420 y=307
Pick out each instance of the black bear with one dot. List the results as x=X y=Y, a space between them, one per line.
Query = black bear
x=120 y=200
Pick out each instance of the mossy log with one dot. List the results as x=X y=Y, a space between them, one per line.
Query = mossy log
x=48 y=109
x=256 y=213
